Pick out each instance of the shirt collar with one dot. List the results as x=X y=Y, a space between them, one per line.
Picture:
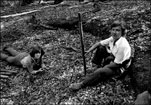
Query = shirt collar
x=116 y=41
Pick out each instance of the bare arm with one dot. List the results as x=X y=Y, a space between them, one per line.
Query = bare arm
x=93 y=47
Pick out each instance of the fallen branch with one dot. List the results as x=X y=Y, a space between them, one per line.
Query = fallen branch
x=6 y=73
x=18 y=14
x=24 y=13
x=10 y=71
x=4 y=76
x=70 y=48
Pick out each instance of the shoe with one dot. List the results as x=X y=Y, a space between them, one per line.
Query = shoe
x=75 y=86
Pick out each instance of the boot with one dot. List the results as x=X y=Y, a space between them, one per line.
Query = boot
x=76 y=86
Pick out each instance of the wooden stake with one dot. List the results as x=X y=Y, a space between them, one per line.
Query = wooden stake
x=81 y=38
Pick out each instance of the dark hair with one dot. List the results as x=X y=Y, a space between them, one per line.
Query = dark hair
x=116 y=24
x=36 y=49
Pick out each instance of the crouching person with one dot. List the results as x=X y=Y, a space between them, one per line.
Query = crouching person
x=111 y=55
x=32 y=60
x=144 y=98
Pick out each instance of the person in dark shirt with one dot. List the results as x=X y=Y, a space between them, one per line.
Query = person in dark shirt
x=32 y=60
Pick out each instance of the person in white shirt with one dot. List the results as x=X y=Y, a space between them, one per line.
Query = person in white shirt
x=111 y=54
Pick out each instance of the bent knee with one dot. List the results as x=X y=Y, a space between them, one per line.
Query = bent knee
x=104 y=71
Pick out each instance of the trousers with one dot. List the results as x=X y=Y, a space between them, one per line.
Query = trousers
x=101 y=74
x=102 y=57
x=13 y=57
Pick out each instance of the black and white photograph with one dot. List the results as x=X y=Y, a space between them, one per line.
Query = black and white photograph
x=75 y=52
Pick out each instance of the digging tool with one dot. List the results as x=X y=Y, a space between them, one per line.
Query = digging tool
x=81 y=39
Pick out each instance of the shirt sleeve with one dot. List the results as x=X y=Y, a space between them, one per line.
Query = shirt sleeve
x=29 y=65
x=119 y=57
x=106 y=41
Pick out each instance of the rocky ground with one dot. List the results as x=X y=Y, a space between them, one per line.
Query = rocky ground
x=63 y=65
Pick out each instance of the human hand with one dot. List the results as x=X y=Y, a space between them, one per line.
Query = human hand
x=86 y=52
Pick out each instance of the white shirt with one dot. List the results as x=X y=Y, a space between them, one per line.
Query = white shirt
x=26 y=61
x=121 y=50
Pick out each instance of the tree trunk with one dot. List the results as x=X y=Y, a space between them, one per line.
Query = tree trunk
x=95 y=26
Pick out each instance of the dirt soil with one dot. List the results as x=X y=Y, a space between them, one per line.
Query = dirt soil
x=63 y=66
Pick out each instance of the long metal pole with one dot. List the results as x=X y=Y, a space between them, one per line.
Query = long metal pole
x=81 y=38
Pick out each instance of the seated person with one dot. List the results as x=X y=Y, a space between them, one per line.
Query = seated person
x=111 y=55
x=32 y=61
